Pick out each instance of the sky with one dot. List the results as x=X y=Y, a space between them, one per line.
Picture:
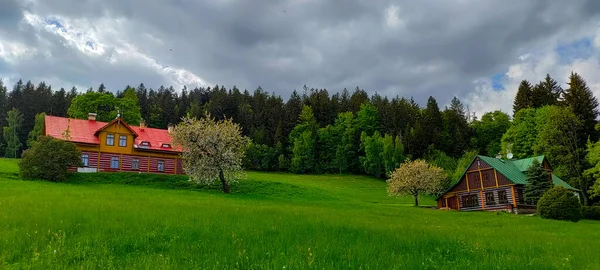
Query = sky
x=476 y=50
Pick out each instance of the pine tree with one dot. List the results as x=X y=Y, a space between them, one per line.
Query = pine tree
x=538 y=183
x=585 y=106
x=523 y=97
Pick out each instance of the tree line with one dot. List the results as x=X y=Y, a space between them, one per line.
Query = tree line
x=314 y=131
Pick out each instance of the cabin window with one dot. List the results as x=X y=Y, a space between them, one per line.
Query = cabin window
x=114 y=162
x=122 y=140
x=85 y=159
x=145 y=144
x=470 y=200
x=110 y=139
x=502 y=198
x=135 y=164
x=489 y=198
x=485 y=178
x=161 y=166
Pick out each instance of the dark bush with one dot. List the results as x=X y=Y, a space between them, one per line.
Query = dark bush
x=49 y=159
x=561 y=204
x=591 y=212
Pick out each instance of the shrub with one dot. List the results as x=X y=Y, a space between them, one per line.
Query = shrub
x=561 y=204
x=49 y=159
x=591 y=212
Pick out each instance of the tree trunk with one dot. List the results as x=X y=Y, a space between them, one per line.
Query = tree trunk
x=223 y=181
x=416 y=195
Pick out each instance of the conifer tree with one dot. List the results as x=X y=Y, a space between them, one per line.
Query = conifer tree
x=584 y=104
x=545 y=93
x=538 y=183
x=523 y=97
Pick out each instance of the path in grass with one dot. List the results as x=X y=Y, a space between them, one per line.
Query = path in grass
x=271 y=221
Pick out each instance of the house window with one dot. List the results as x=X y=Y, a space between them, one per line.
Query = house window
x=114 y=162
x=135 y=164
x=485 y=178
x=489 y=198
x=502 y=198
x=470 y=200
x=166 y=145
x=161 y=166
x=110 y=139
x=85 y=159
x=122 y=140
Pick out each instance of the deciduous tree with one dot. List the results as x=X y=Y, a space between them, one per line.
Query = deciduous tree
x=14 y=119
x=416 y=178
x=211 y=149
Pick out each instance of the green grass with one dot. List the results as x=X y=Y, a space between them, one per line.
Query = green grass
x=270 y=221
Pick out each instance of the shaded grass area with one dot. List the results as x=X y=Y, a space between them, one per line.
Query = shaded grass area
x=270 y=221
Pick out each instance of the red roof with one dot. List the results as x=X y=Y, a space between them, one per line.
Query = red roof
x=83 y=131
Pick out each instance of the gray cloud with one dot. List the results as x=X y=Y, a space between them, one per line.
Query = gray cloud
x=437 y=47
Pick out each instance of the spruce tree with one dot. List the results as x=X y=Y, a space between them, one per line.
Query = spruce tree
x=432 y=124
x=539 y=183
x=523 y=97
x=545 y=93
x=585 y=106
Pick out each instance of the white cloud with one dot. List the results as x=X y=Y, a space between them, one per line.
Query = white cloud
x=534 y=67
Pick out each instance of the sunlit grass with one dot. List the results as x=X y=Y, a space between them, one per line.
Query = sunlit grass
x=270 y=221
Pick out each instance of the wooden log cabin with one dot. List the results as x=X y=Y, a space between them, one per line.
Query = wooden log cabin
x=117 y=146
x=495 y=184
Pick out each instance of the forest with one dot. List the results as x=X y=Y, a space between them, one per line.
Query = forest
x=348 y=132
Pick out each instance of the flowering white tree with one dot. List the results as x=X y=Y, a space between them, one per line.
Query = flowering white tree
x=211 y=150
x=414 y=178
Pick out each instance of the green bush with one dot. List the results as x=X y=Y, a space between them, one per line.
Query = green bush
x=49 y=159
x=561 y=204
x=591 y=212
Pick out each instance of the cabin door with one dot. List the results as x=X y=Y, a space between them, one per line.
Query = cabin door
x=452 y=203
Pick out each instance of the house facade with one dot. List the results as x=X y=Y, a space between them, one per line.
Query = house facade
x=117 y=146
x=495 y=184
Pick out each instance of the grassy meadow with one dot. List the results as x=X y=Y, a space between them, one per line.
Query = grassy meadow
x=270 y=221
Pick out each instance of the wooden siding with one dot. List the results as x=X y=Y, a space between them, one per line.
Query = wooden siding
x=180 y=169
x=462 y=185
x=482 y=165
x=482 y=199
x=502 y=180
x=474 y=182
x=92 y=159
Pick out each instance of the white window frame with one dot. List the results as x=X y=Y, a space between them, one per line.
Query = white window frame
x=85 y=159
x=136 y=162
x=160 y=166
x=110 y=139
x=123 y=138
x=113 y=161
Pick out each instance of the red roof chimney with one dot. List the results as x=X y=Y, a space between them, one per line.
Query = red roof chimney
x=92 y=116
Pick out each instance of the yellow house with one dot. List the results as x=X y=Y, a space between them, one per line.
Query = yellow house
x=117 y=146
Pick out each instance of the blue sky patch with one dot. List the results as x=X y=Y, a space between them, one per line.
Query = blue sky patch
x=497 y=81
x=578 y=49
x=55 y=23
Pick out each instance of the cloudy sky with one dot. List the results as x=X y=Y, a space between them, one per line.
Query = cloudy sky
x=477 y=50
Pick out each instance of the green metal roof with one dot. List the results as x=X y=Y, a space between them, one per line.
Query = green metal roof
x=506 y=168
x=523 y=164
x=514 y=170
